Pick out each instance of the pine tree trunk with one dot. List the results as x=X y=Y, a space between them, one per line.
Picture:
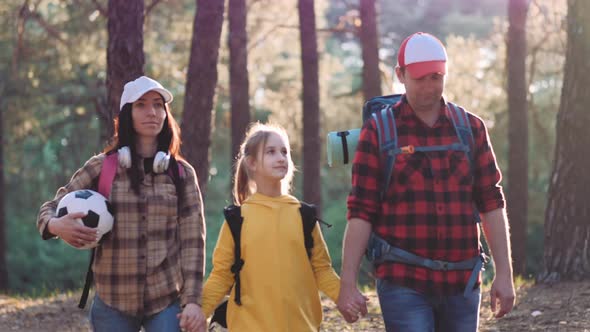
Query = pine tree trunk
x=567 y=218
x=517 y=194
x=3 y=223
x=370 y=49
x=238 y=73
x=125 y=58
x=200 y=87
x=311 y=103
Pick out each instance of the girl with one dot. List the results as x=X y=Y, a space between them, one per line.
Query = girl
x=279 y=282
x=148 y=271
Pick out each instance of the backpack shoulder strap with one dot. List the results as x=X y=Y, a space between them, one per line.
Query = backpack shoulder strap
x=308 y=219
x=387 y=137
x=107 y=175
x=233 y=217
x=463 y=128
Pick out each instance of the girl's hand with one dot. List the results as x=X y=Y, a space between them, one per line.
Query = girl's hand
x=192 y=319
x=71 y=231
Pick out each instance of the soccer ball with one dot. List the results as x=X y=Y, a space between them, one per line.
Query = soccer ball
x=99 y=212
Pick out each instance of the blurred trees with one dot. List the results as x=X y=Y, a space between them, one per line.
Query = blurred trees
x=567 y=231
x=52 y=104
x=311 y=103
x=369 y=39
x=125 y=57
x=516 y=88
x=201 y=83
x=238 y=73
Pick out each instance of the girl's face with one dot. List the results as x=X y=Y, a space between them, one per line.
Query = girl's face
x=272 y=162
x=148 y=114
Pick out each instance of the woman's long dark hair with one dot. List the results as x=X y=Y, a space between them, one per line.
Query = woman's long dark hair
x=168 y=141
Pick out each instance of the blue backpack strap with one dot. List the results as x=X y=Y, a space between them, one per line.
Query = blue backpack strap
x=387 y=138
x=463 y=128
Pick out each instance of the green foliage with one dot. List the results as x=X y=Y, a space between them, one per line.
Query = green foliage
x=57 y=85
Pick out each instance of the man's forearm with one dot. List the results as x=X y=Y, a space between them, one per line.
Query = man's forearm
x=356 y=236
x=495 y=227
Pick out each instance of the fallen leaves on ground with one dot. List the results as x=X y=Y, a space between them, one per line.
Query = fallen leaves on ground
x=563 y=307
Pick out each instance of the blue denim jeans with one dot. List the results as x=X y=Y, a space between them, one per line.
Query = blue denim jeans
x=406 y=310
x=108 y=319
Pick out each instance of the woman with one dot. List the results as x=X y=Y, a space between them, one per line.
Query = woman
x=148 y=271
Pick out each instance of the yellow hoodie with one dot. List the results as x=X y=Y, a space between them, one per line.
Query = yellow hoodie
x=279 y=282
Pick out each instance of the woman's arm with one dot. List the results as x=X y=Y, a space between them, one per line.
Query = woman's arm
x=192 y=238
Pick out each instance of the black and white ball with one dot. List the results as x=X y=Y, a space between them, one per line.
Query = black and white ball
x=99 y=213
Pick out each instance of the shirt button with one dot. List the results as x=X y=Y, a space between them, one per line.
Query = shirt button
x=142 y=217
x=440 y=208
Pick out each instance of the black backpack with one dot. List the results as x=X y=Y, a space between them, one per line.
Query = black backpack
x=234 y=219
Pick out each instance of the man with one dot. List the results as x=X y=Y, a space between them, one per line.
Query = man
x=428 y=212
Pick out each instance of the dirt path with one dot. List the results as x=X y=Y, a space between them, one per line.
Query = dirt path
x=562 y=308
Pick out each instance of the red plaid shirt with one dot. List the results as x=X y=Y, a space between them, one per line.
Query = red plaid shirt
x=428 y=207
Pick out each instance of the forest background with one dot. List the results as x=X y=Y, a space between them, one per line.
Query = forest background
x=53 y=66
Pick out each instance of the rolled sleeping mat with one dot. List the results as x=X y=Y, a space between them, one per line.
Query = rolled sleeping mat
x=342 y=146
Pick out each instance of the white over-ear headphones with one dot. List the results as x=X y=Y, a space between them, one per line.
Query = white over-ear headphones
x=161 y=159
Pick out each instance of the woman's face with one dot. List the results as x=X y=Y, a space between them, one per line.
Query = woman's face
x=148 y=114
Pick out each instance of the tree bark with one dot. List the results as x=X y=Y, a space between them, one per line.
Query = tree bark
x=311 y=103
x=517 y=194
x=125 y=58
x=238 y=73
x=567 y=227
x=3 y=223
x=370 y=50
x=200 y=87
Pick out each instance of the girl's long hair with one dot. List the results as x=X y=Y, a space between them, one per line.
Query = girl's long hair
x=253 y=144
x=168 y=141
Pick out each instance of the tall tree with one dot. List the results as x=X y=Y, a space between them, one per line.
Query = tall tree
x=517 y=195
x=311 y=102
x=3 y=267
x=567 y=230
x=238 y=72
x=200 y=86
x=370 y=49
x=125 y=58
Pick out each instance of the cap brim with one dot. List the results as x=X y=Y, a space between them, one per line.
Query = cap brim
x=421 y=69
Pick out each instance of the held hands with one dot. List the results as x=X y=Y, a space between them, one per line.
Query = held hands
x=352 y=304
x=71 y=231
x=192 y=319
x=502 y=291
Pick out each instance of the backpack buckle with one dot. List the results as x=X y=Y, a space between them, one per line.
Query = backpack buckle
x=408 y=149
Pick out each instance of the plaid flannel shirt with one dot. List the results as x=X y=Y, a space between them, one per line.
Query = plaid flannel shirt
x=155 y=253
x=428 y=208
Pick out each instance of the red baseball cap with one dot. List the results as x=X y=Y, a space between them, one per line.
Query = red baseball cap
x=422 y=54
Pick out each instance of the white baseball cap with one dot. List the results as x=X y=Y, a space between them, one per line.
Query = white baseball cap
x=422 y=54
x=133 y=90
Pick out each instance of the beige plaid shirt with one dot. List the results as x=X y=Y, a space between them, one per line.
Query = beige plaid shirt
x=153 y=255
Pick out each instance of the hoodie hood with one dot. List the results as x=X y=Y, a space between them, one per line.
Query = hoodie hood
x=271 y=202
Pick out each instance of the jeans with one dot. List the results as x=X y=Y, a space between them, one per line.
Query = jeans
x=406 y=310
x=107 y=319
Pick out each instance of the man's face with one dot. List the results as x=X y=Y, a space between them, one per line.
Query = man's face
x=425 y=92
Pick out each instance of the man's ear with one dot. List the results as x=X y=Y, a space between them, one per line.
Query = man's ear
x=400 y=75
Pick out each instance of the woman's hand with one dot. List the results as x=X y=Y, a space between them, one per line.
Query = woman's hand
x=192 y=319
x=71 y=231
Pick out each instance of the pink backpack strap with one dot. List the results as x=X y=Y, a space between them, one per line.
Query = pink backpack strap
x=107 y=174
x=181 y=173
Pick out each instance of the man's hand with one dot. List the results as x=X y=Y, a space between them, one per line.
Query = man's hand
x=352 y=304
x=503 y=291
x=70 y=230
